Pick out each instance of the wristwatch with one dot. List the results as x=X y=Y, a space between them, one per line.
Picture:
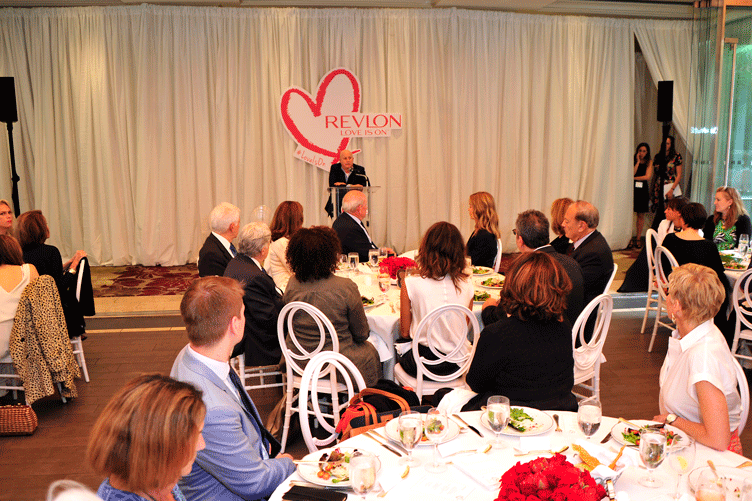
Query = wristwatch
x=671 y=418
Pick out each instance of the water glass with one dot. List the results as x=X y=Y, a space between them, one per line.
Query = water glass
x=743 y=244
x=373 y=258
x=353 y=259
x=363 y=466
x=383 y=253
x=498 y=412
x=385 y=282
x=652 y=453
x=342 y=261
x=589 y=416
x=681 y=458
x=436 y=427
x=410 y=427
x=710 y=488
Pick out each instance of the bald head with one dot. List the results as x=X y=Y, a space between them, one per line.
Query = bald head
x=580 y=219
x=346 y=160
x=355 y=203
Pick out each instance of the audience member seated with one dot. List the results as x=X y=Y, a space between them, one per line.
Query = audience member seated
x=312 y=254
x=6 y=218
x=353 y=236
x=698 y=380
x=483 y=243
x=14 y=277
x=729 y=221
x=69 y=490
x=558 y=209
x=217 y=250
x=527 y=356
x=238 y=461
x=672 y=212
x=288 y=218
x=261 y=298
x=442 y=278
x=146 y=438
x=588 y=248
x=532 y=235
x=688 y=246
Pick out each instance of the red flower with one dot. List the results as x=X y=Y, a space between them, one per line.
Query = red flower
x=548 y=479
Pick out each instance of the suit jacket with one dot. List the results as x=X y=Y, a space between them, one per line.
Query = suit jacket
x=597 y=263
x=213 y=257
x=262 y=305
x=337 y=175
x=231 y=467
x=352 y=236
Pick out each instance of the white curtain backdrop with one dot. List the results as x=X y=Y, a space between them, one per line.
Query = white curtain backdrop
x=135 y=121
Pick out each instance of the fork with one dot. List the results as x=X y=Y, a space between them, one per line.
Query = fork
x=556 y=418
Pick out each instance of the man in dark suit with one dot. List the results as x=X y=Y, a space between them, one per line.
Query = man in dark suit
x=261 y=298
x=349 y=226
x=589 y=248
x=218 y=249
x=532 y=232
x=345 y=173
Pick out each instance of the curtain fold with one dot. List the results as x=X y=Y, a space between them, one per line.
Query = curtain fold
x=135 y=121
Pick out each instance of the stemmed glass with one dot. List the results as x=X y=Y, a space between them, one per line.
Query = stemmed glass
x=652 y=453
x=589 y=416
x=354 y=259
x=383 y=253
x=743 y=244
x=710 y=488
x=385 y=281
x=342 y=260
x=373 y=258
x=498 y=412
x=681 y=458
x=410 y=433
x=436 y=427
x=363 y=467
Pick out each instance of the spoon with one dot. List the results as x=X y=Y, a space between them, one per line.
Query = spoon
x=522 y=453
x=715 y=472
x=556 y=418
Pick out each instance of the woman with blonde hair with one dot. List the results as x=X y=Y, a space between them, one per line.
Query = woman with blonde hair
x=6 y=218
x=729 y=220
x=288 y=218
x=558 y=209
x=146 y=439
x=698 y=379
x=483 y=243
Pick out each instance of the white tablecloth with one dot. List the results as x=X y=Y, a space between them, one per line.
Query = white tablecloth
x=455 y=485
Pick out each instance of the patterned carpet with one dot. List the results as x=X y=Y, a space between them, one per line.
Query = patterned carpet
x=119 y=281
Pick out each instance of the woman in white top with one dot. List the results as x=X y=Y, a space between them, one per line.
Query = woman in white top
x=14 y=277
x=672 y=223
x=698 y=378
x=442 y=278
x=288 y=218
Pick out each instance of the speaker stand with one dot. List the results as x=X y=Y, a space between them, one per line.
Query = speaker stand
x=14 y=175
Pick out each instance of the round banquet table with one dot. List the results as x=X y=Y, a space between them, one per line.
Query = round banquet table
x=464 y=478
x=383 y=317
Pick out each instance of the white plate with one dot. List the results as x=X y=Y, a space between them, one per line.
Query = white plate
x=309 y=471
x=479 y=283
x=392 y=432
x=483 y=269
x=734 y=477
x=542 y=422
x=481 y=302
x=618 y=428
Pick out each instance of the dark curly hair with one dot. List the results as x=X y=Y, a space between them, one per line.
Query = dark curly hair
x=312 y=253
x=441 y=253
x=536 y=288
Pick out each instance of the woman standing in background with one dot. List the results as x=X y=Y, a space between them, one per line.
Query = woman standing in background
x=483 y=243
x=643 y=173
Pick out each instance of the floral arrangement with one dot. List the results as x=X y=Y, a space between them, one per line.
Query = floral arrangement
x=396 y=264
x=554 y=479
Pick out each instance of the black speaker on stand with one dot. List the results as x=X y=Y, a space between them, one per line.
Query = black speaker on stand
x=664 y=114
x=9 y=114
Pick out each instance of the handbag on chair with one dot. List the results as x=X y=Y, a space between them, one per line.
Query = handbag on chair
x=17 y=420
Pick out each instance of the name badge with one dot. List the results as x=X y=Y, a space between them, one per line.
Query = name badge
x=638 y=184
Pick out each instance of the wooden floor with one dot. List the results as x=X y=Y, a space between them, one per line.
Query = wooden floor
x=29 y=464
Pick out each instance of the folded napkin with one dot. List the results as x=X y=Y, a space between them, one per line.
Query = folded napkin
x=484 y=470
x=304 y=493
x=601 y=473
x=453 y=401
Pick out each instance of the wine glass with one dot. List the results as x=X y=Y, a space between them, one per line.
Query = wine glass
x=743 y=244
x=498 y=412
x=652 y=453
x=681 y=458
x=589 y=416
x=363 y=467
x=410 y=432
x=342 y=260
x=709 y=488
x=383 y=253
x=373 y=258
x=354 y=259
x=436 y=427
x=385 y=281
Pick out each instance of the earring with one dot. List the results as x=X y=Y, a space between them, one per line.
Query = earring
x=673 y=318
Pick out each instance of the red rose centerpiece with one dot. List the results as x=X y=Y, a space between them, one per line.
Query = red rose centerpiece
x=395 y=264
x=554 y=479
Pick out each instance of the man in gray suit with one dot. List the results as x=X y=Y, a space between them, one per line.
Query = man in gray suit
x=239 y=460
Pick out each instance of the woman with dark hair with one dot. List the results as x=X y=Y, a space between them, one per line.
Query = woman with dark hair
x=527 y=356
x=669 y=163
x=558 y=209
x=483 y=243
x=14 y=277
x=288 y=218
x=312 y=254
x=688 y=246
x=729 y=220
x=146 y=439
x=643 y=173
x=442 y=278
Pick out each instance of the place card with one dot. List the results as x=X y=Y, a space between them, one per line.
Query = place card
x=536 y=443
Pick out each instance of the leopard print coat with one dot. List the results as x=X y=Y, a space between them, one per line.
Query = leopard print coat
x=39 y=343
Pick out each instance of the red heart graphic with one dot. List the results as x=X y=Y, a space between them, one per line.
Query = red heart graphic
x=304 y=118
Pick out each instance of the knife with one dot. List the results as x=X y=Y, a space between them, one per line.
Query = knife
x=389 y=441
x=469 y=426
x=606 y=438
x=384 y=445
x=610 y=489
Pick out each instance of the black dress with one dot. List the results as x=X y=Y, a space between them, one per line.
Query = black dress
x=641 y=194
x=482 y=247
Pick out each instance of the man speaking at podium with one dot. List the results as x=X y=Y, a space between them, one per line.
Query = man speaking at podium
x=345 y=173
